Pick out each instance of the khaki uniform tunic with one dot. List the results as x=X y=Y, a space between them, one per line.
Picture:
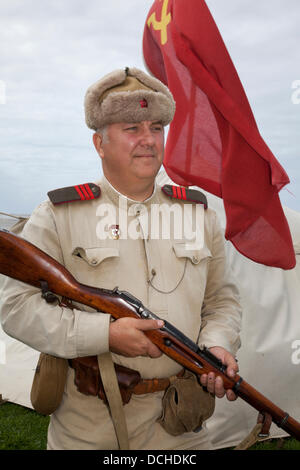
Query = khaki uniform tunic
x=183 y=281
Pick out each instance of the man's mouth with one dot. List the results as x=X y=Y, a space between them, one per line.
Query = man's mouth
x=145 y=155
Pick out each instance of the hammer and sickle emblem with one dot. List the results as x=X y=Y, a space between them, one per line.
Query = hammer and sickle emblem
x=161 y=25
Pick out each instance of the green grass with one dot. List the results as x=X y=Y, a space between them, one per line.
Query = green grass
x=278 y=444
x=24 y=429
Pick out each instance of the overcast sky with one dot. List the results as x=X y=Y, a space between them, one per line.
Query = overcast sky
x=52 y=50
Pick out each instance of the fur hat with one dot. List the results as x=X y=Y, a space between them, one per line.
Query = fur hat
x=128 y=95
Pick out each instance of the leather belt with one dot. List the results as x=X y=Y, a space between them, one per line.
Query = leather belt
x=154 y=385
x=88 y=381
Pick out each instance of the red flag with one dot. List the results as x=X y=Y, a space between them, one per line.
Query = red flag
x=213 y=141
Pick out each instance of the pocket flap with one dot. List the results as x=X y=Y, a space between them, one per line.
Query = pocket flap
x=191 y=251
x=94 y=256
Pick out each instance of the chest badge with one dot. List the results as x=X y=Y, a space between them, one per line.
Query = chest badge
x=114 y=231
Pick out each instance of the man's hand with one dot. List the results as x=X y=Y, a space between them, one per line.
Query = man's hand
x=215 y=384
x=126 y=337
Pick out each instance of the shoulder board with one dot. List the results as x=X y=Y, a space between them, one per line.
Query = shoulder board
x=81 y=192
x=178 y=192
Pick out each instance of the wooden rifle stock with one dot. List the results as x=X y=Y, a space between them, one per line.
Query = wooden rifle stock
x=21 y=260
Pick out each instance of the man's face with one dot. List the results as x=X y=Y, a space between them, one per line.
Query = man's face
x=131 y=151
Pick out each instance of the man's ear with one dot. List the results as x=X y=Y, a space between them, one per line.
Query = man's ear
x=97 y=139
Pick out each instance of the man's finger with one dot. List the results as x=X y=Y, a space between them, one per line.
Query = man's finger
x=211 y=382
x=145 y=325
x=154 y=351
x=203 y=380
x=219 y=387
x=232 y=366
x=231 y=396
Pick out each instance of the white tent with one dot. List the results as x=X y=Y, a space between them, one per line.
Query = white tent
x=267 y=359
x=17 y=361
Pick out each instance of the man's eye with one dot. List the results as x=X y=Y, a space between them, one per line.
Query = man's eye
x=131 y=128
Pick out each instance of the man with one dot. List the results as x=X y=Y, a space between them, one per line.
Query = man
x=112 y=241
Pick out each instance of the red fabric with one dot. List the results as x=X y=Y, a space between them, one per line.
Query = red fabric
x=213 y=141
x=89 y=191
x=79 y=193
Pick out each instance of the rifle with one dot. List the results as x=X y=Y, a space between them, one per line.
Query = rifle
x=25 y=262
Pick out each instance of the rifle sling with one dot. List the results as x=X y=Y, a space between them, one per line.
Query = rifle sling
x=259 y=433
x=113 y=395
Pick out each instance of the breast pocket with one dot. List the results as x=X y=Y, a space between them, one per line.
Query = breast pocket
x=97 y=265
x=193 y=263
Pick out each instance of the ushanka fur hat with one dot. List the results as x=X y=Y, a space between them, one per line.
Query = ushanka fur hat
x=128 y=95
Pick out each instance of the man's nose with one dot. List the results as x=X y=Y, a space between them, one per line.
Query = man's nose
x=147 y=137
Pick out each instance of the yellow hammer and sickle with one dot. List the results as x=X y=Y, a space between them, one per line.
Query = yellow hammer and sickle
x=161 y=25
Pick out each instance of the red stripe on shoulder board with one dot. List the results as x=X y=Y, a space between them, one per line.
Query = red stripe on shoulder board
x=89 y=191
x=178 y=192
x=84 y=191
x=183 y=193
x=79 y=193
x=174 y=191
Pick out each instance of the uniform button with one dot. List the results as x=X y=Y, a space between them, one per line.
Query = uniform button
x=153 y=272
x=195 y=259
x=138 y=209
x=94 y=261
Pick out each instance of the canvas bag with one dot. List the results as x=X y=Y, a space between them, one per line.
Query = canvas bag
x=186 y=405
x=48 y=383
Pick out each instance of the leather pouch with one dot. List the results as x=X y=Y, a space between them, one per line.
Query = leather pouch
x=88 y=380
x=186 y=405
x=48 y=383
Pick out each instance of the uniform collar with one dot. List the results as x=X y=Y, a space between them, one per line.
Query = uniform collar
x=115 y=196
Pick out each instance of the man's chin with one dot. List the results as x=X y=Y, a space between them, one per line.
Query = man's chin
x=148 y=173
